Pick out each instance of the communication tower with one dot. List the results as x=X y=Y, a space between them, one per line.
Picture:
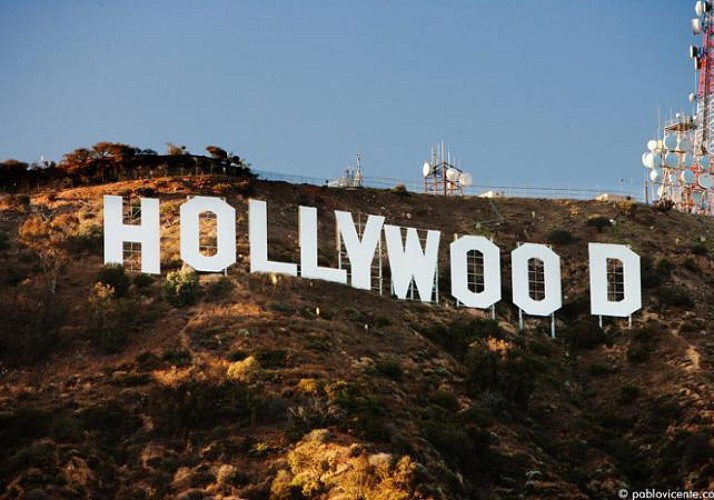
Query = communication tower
x=680 y=170
x=352 y=177
x=443 y=174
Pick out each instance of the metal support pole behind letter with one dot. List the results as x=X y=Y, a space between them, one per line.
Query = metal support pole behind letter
x=520 y=318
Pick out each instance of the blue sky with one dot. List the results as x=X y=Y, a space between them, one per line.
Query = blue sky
x=525 y=92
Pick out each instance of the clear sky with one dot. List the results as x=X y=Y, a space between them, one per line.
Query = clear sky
x=525 y=92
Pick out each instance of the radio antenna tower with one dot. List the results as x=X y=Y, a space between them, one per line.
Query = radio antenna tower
x=443 y=174
x=681 y=173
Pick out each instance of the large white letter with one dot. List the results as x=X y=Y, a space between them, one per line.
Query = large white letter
x=599 y=253
x=148 y=233
x=491 y=272
x=308 y=250
x=258 y=234
x=191 y=233
x=551 y=275
x=360 y=253
x=411 y=262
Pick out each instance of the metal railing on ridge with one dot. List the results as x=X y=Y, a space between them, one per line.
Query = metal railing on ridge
x=474 y=190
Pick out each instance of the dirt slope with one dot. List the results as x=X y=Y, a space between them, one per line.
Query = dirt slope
x=255 y=386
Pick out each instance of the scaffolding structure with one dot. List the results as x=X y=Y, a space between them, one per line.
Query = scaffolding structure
x=443 y=174
x=380 y=282
x=131 y=252
x=680 y=170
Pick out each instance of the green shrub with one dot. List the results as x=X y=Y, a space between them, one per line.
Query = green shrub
x=176 y=357
x=195 y=404
x=691 y=265
x=559 y=237
x=87 y=237
x=4 y=240
x=219 y=288
x=598 y=222
x=456 y=336
x=598 y=370
x=237 y=355
x=512 y=373
x=674 y=296
x=247 y=370
x=699 y=248
x=114 y=275
x=390 y=368
x=446 y=400
x=31 y=325
x=638 y=353
x=272 y=358
x=584 y=335
x=653 y=275
x=362 y=412
x=111 y=320
x=143 y=280
x=181 y=288
x=628 y=394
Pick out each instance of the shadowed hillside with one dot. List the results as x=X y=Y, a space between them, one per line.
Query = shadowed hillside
x=116 y=384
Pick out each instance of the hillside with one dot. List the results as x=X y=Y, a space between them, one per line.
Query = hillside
x=257 y=386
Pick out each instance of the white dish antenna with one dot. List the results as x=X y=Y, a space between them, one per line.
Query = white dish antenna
x=684 y=145
x=691 y=97
x=704 y=162
x=465 y=179
x=671 y=159
x=654 y=174
x=706 y=181
x=670 y=141
x=652 y=144
x=699 y=8
x=687 y=177
x=645 y=160
x=696 y=26
x=686 y=160
x=426 y=169
x=452 y=174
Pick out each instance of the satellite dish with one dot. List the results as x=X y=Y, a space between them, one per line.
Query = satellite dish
x=670 y=141
x=648 y=160
x=660 y=146
x=696 y=26
x=693 y=51
x=671 y=159
x=699 y=7
x=704 y=162
x=687 y=177
x=654 y=174
x=644 y=159
x=691 y=97
x=686 y=160
x=652 y=144
x=684 y=145
x=465 y=179
x=657 y=160
x=452 y=174
x=426 y=169
x=697 y=197
x=706 y=181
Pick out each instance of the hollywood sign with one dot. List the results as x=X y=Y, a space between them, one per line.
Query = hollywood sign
x=409 y=261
